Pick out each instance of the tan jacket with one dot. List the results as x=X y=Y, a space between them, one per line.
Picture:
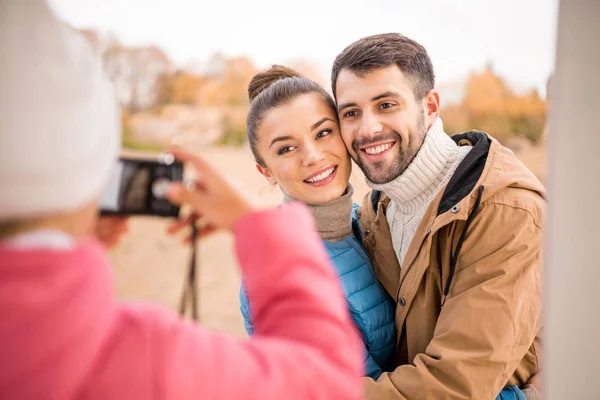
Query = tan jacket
x=485 y=333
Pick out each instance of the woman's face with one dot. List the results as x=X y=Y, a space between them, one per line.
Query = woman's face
x=303 y=151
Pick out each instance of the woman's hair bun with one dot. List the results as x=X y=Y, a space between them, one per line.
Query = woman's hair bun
x=263 y=80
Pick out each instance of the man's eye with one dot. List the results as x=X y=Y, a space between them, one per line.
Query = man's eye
x=323 y=133
x=350 y=114
x=284 y=149
x=384 y=106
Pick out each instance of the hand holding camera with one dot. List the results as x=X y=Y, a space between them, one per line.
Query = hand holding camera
x=155 y=187
x=213 y=200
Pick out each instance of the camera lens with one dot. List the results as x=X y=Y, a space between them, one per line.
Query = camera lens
x=166 y=158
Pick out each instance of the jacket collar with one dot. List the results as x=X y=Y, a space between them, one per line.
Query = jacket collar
x=469 y=170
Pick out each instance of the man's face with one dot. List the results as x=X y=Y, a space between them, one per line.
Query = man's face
x=382 y=124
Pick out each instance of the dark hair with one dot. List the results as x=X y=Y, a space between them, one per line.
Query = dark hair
x=272 y=88
x=380 y=51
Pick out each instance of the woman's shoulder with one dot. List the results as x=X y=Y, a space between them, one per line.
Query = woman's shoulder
x=347 y=255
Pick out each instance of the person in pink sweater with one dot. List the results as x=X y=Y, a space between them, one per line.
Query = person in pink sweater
x=63 y=334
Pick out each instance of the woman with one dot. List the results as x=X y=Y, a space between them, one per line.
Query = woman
x=293 y=133
x=63 y=334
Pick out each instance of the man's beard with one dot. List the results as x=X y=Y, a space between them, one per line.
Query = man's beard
x=380 y=173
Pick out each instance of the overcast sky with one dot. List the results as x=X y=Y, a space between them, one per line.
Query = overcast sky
x=516 y=36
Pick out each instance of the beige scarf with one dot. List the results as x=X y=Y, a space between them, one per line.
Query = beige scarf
x=333 y=219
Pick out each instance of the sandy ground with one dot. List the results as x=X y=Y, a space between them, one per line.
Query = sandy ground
x=151 y=265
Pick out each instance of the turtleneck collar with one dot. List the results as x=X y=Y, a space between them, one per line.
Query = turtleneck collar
x=333 y=219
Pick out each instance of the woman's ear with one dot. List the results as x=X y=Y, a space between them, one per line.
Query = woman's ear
x=265 y=172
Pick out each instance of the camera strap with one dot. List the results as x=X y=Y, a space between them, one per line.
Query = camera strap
x=189 y=297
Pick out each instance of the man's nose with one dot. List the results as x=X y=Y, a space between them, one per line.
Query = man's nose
x=370 y=126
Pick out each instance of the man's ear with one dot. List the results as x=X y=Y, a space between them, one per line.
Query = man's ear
x=432 y=107
x=265 y=172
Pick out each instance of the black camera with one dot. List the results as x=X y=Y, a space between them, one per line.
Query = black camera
x=137 y=186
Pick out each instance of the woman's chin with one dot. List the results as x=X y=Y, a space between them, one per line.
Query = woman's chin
x=324 y=195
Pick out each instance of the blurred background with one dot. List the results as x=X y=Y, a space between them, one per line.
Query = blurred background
x=181 y=69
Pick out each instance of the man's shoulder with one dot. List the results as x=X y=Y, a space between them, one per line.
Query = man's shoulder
x=518 y=198
x=510 y=183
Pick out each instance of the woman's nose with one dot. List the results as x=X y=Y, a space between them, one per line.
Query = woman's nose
x=313 y=155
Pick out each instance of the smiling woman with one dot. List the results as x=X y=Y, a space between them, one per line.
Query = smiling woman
x=295 y=137
x=303 y=151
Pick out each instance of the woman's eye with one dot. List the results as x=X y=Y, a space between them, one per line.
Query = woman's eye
x=323 y=133
x=284 y=150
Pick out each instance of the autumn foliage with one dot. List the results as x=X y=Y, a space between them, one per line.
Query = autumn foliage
x=490 y=105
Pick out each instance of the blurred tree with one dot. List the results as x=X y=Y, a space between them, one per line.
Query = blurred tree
x=229 y=87
x=455 y=119
x=234 y=132
x=179 y=88
x=134 y=71
x=491 y=106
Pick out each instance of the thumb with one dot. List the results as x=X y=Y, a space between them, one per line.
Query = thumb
x=177 y=194
x=190 y=192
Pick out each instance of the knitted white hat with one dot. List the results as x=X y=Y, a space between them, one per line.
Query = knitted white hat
x=59 y=119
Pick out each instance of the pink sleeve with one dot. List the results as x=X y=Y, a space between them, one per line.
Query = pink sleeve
x=305 y=346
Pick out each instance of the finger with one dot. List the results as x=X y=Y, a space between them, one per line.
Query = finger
x=201 y=165
x=183 y=223
x=122 y=224
x=178 y=194
x=189 y=192
x=184 y=156
x=108 y=220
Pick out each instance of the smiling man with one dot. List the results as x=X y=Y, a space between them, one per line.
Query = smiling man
x=452 y=225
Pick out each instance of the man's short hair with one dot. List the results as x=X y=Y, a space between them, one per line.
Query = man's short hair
x=380 y=51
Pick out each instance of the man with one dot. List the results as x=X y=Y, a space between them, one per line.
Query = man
x=452 y=225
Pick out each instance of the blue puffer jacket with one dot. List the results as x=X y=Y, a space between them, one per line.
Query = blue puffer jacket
x=371 y=308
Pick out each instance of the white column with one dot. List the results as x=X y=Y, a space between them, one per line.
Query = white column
x=572 y=292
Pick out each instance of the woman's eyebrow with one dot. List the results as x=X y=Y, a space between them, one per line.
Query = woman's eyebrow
x=280 y=139
x=319 y=122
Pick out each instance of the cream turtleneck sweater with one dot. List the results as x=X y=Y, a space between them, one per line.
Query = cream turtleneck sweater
x=413 y=190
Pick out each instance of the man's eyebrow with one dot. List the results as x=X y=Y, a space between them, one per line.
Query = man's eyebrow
x=279 y=139
x=346 y=105
x=386 y=94
x=319 y=122
x=378 y=97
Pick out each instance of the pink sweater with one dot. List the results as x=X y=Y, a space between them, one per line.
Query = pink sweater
x=63 y=335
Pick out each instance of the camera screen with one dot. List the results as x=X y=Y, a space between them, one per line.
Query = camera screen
x=128 y=188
